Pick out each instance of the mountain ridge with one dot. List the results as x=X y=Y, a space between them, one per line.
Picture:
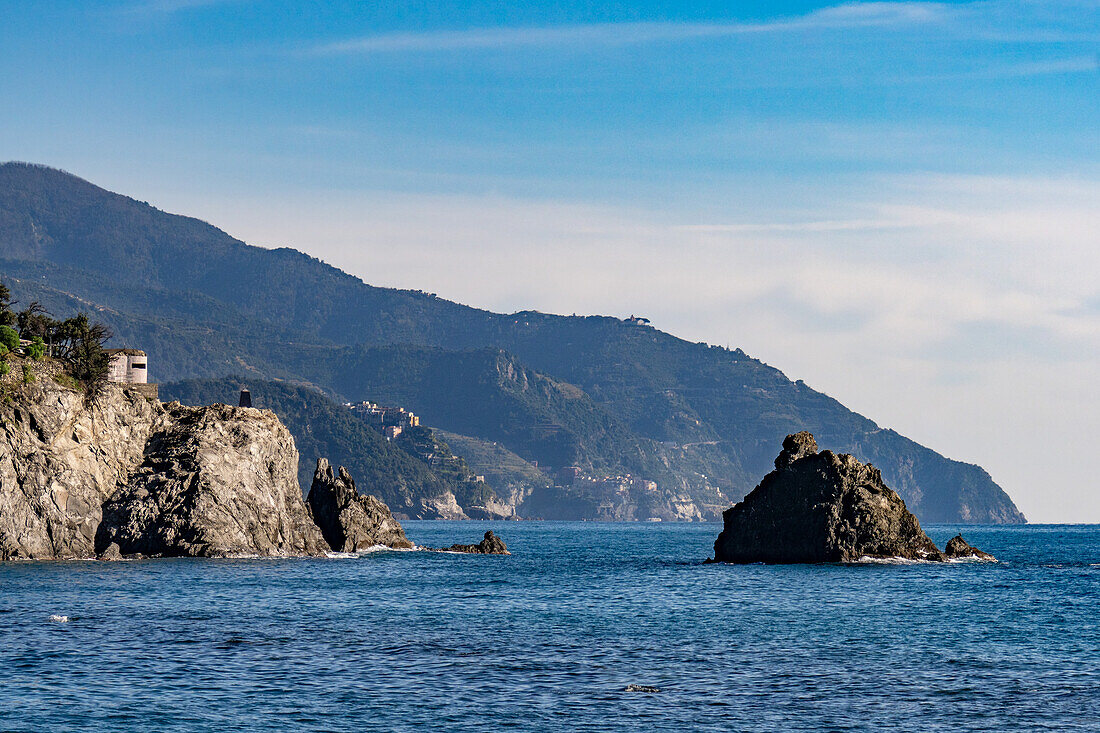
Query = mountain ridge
x=714 y=412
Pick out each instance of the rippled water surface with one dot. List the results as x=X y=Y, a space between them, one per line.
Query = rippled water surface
x=549 y=638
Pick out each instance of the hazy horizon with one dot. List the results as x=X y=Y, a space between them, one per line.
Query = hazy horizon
x=894 y=202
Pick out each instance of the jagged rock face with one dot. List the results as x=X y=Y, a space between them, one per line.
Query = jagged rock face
x=215 y=481
x=491 y=545
x=173 y=480
x=820 y=507
x=795 y=447
x=349 y=520
x=957 y=547
x=60 y=460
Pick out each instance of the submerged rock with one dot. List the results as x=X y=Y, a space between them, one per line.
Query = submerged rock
x=349 y=520
x=215 y=481
x=491 y=545
x=957 y=547
x=641 y=688
x=820 y=507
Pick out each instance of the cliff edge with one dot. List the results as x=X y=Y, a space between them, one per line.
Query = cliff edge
x=130 y=474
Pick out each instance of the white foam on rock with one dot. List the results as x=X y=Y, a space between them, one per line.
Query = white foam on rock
x=59 y=619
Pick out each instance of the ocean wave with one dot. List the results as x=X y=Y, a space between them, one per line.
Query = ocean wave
x=868 y=560
x=387 y=548
x=909 y=561
x=370 y=551
x=59 y=619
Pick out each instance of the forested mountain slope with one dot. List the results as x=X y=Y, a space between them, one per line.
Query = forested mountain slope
x=701 y=419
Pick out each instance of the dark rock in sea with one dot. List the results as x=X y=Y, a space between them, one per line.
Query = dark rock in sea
x=820 y=507
x=641 y=688
x=112 y=552
x=491 y=545
x=349 y=520
x=957 y=547
x=215 y=481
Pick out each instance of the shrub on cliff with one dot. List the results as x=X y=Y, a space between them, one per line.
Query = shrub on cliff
x=9 y=337
x=37 y=349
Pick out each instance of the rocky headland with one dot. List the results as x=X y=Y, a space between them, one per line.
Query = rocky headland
x=124 y=475
x=822 y=507
x=214 y=481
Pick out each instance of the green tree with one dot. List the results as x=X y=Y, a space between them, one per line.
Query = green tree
x=9 y=337
x=37 y=349
x=79 y=342
x=35 y=321
x=7 y=318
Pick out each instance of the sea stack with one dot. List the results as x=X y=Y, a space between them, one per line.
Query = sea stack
x=820 y=507
x=351 y=521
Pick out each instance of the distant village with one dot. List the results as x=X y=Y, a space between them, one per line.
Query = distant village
x=390 y=421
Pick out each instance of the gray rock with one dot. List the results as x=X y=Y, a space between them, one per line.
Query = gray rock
x=957 y=547
x=215 y=481
x=349 y=520
x=60 y=459
x=111 y=552
x=820 y=507
x=490 y=545
x=795 y=447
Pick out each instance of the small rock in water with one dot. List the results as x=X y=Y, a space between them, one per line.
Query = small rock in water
x=641 y=688
x=113 y=552
x=958 y=547
x=491 y=545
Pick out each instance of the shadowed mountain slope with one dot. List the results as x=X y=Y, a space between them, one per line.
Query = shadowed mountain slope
x=700 y=419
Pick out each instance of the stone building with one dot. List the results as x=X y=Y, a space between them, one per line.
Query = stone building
x=128 y=366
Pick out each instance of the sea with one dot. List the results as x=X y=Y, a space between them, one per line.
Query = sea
x=585 y=627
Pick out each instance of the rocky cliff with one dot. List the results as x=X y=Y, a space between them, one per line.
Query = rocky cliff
x=349 y=520
x=820 y=507
x=147 y=477
x=215 y=481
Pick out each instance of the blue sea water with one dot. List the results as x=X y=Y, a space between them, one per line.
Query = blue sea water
x=549 y=638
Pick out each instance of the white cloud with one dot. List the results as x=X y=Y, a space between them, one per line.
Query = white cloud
x=851 y=15
x=167 y=7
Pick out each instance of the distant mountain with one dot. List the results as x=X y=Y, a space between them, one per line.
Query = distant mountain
x=606 y=394
x=325 y=429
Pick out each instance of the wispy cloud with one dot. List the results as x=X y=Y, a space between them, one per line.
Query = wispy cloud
x=167 y=7
x=837 y=225
x=851 y=15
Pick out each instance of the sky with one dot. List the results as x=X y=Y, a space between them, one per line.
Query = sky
x=898 y=203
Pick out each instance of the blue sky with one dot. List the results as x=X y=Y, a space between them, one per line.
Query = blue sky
x=896 y=202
